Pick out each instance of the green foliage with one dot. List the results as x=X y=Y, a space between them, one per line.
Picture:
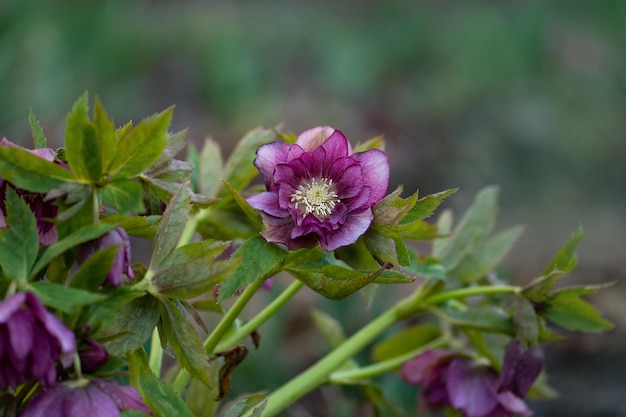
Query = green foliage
x=19 y=241
x=64 y=299
x=251 y=406
x=259 y=260
x=404 y=341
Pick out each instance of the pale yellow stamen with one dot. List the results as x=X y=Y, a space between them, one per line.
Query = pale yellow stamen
x=317 y=196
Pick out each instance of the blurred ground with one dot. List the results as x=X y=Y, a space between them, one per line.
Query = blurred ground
x=528 y=95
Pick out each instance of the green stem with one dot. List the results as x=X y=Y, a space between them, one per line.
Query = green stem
x=319 y=373
x=190 y=228
x=156 y=353
x=183 y=377
x=469 y=292
x=261 y=317
x=95 y=210
x=358 y=374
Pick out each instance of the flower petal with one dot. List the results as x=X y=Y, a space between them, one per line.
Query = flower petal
x=513 y=404
x=356 y=224
x=267 y=202
x=267 y=157
x=336 y=146
x=314 y=137
x=375 y=166
x=414 y=371
x=471 y=388
x=278 y=230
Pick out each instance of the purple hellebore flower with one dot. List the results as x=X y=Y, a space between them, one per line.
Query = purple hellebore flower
x=44 y=211
x=121 y=263
x=94 y=398
x=31 y=341
x=318 y=189
x=449 y=378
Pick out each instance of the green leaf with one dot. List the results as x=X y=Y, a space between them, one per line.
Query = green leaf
x=30 y=172
x=82 y=235
x=139 y=226
x=132 y=413
x=425 y=206
x=259 y=259
x=94 y=270
x=175 y=144
x=210 y=169
x=176 y=329
x=249 y=406
x=525 y=321
x=82 y=149
x=486 y=318
x=125 y=196
x=64 y=299
x=133 y=325
x=334 y=281
x=392 y=209
x=565 y=308
x=404 y=341
x=37 y=131
x=475 y=225
x=101 y=316
x=243 y=204
x=484 y=258
x=418 y=230
x=382 y=248
x=171 y=227
x=19 y=240
x=192 y=278
x=159 y=395
x=444 y=228
x=105 y=144
x=239 y=169
x=375 y=143
x=208 y=248
x=141 y=147
x=565 y=260
x=426 y=266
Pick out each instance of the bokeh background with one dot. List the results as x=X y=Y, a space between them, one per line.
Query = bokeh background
x=528 y=95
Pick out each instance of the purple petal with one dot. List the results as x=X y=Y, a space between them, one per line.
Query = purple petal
x=11 y=305
x=126 y=397
x=375 y=166
x=520 y=368
x=267 y=157
x=513 y=404
x=336 y=146
x=414 y=371
x=356 y=224
x=350 y=183
x=47 y=403
x=267 y=202
x=471 y=388
x=21 y=330
x=278 y=230
x=315 y=163
x=312 y=138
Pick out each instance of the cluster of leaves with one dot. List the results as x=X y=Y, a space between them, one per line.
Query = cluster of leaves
x=128 y=177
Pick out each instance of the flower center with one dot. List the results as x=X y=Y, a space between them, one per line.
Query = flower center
x=317 y=196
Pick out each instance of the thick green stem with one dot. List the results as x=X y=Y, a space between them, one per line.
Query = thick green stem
x=320 y=372
x=469 y=292
x=261 y=317
x=358 y=374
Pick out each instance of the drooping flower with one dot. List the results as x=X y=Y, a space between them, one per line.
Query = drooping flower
x=44 y=211
x=32 y=340
x=92 y=355
x=449 y=378
x=121 y=263
x=318 y=189
x=94 y=398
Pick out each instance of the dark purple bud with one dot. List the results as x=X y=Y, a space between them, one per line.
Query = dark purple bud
x=520 y=368
x=96 y=397
x=121 y=264
x=92 y=356
x=32 y=340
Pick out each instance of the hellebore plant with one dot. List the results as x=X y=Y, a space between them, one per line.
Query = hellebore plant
x=85 y=327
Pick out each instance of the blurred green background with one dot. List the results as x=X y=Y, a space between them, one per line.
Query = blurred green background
x=527 y=95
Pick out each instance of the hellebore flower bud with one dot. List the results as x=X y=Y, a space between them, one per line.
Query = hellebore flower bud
x=121 y=264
